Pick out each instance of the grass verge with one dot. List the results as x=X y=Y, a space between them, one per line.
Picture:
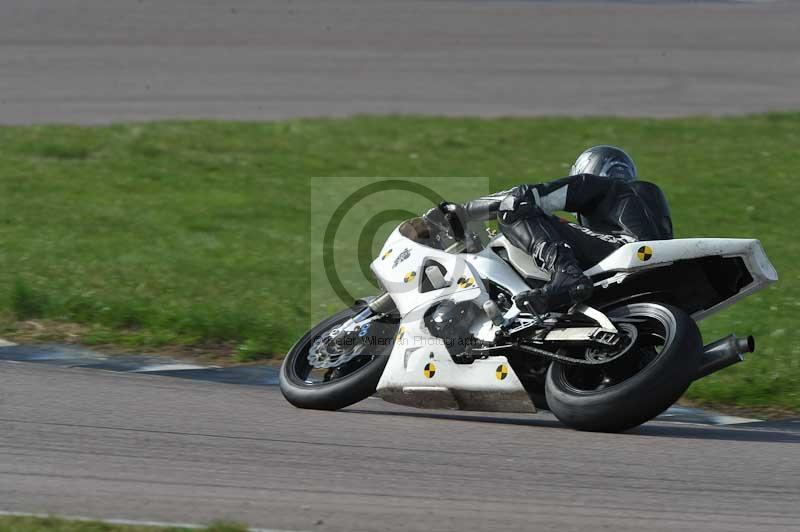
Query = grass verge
x=55 y=524
x=184 y=233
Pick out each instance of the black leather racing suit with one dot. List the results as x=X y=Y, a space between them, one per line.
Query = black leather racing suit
x=611 y=212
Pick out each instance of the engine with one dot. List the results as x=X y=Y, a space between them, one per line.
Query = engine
x=451 y=322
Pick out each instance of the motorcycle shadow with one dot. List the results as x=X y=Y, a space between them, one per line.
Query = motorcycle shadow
x=658 y=429
x=464 y=416
x=724 y=433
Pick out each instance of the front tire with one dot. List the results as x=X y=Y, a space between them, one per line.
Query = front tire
x=353 y=382
x=645 y=382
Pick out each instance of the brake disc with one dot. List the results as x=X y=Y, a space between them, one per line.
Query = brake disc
x=336 y=347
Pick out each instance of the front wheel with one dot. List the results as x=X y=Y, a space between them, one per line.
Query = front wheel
x=354 y=375
x=652 y=374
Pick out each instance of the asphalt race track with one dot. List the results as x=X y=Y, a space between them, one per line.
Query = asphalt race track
x=92 y=442
x=109 y=60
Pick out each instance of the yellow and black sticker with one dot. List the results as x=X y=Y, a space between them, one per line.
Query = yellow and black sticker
x=430 y=370
x=501 y=372
x=389 y=252
x=400 y=334
x=466 y=282
x=409 y=277
x=644 y=253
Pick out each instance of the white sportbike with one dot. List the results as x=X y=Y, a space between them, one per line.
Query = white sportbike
x=446 y=332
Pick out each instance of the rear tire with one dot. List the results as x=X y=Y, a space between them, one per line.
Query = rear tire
x=340 y=392
x=640 y=397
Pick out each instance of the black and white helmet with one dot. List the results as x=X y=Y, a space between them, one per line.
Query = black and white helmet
x=605 y=161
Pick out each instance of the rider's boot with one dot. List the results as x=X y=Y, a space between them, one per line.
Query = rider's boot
x=568 y=284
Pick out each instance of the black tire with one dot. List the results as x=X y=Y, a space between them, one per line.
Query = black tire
x=637 y=398
x=340 y=392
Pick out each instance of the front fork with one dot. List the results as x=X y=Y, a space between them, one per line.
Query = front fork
x=382 y=304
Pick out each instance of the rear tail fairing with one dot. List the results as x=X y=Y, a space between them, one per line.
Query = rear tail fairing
x=701 y=275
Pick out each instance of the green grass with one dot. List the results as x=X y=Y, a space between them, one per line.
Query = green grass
x=180 y=233
x=54 y=524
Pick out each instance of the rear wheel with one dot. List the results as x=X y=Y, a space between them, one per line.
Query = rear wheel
x=363 y=358
x=654 y=371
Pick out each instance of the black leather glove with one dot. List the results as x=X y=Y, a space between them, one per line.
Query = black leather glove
x=448 y=206
x=455 y=216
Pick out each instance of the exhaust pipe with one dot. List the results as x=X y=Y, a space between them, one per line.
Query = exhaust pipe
x=723 y=353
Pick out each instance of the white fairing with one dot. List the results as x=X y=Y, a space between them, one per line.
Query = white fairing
x=665 y=252
x=420 y=371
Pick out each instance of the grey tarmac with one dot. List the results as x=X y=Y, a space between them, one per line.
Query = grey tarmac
x=99 y=61
x=96 y=443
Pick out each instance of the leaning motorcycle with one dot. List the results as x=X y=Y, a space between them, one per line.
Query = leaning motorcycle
x=446 y=332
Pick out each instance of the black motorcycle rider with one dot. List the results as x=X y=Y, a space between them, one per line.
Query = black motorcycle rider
x=613 y=209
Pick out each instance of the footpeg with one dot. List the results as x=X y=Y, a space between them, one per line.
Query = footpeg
x=494 y=313
x=532 y=300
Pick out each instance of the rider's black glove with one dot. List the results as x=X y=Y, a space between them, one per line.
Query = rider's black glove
x=447 y=206
x=456 y=218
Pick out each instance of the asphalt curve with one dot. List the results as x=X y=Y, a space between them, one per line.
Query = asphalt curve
x=91 y=442
x=98 y=61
